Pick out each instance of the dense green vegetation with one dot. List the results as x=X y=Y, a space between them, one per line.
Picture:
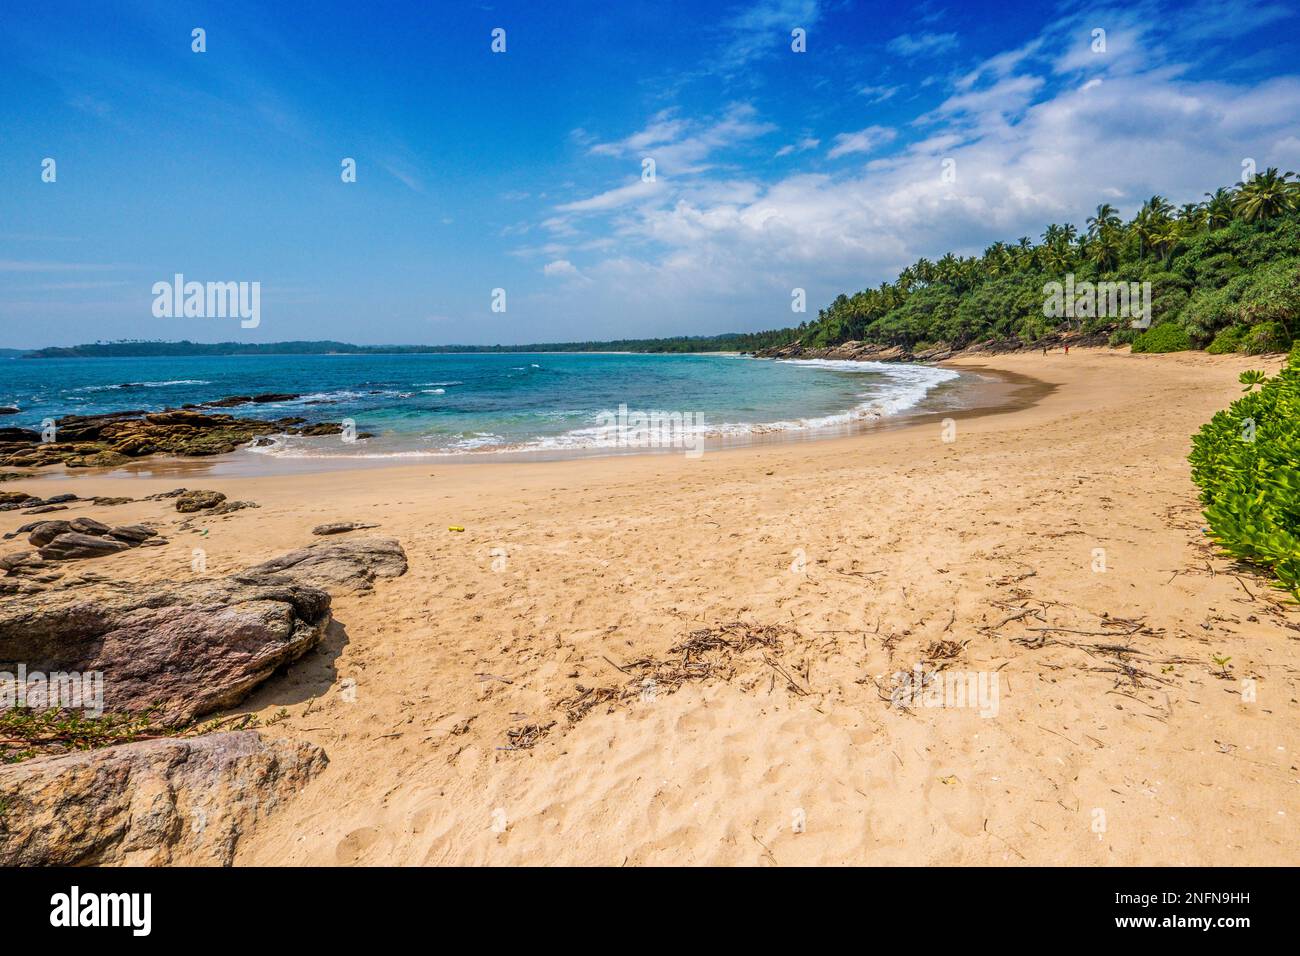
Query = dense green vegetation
x=1246 y=460
x=1224 y=272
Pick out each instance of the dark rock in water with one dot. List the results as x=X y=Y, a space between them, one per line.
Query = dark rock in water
x=72 y=545
x=19 y=435
x=322 y=428
x=189 y=648
x=178 y=801
x=341 y=527
x=353 y=563
x=8 y=410
x=132 y=533
x=45 y=509
x=198 y=500
x=43 y=532
x=89 y=526
x=232 y=401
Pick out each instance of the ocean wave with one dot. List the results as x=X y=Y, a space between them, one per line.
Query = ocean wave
x=109 y=388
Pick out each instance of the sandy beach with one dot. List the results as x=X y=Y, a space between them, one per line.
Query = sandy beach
x=1055 y=547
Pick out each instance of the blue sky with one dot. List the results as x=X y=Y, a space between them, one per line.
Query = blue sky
x=522 y=170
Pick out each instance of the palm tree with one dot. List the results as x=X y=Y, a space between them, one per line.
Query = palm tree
x=1158 y=209
x=1192 y=214
x=1104 y=249
x=946 y=269
x=1165 y=237
x=1107 y=217
x=1268 y=194
x=1219 y=208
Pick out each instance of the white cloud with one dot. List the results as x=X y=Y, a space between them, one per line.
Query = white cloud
x=764 y=28
x=680 y=146
x=863 y=141
x=919 y=44
x=560 y=267
x=802 y=146
x=878 y=94
x=613 y=198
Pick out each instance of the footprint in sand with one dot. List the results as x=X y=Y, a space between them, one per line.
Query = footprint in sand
x=352 y=846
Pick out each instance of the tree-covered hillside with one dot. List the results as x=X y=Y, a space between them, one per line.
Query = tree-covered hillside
x=1224 y=272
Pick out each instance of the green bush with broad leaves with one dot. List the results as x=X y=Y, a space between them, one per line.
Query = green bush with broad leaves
x=1246 y=460
x=1163 y=338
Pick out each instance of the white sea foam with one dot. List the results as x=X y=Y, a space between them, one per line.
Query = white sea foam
x=108 y=388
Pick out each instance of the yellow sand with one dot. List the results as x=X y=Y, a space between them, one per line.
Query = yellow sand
x=904 y=540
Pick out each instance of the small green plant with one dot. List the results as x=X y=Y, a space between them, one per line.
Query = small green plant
x=1252 y=378
x=1222 y=663
x=26 y=732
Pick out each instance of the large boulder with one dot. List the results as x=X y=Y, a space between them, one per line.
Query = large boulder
x=72 y=545
x=43 y=532
x=177 y=801
x=352 y=563
x=188 y=649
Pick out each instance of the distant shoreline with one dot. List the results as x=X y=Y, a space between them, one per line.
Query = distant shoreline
x=685 y=345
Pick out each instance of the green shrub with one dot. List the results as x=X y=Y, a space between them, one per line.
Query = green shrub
x=1123 y=336
x=1265 y=338
x=1163 y=338
x=1246 y=460
x=1228 y=340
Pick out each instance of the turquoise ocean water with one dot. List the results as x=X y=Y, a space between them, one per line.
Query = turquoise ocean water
x=474 y=404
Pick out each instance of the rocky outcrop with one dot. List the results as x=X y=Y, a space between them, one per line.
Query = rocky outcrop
x=187 y=649
x=84 y=441
x=854 y=351
x=341 y=527
x=846 y=352
x=85 y=538
x=13 y=500
x=198 y=500
x=177 y=801
x=352 y=564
